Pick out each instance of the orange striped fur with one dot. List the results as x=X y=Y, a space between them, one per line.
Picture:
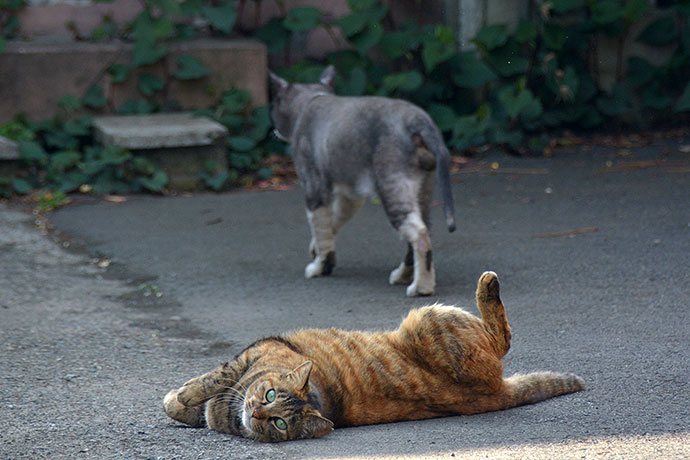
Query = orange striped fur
x=440 y=361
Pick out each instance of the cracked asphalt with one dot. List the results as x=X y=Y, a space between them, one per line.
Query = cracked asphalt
x=120 y=302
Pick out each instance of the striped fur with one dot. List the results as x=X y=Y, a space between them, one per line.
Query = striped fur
x=440 y=361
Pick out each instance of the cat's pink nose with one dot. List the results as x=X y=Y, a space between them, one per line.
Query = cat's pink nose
x=258 y=413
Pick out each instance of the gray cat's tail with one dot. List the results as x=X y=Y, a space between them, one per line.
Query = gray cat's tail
x=538 y=386
x=432 y=153
x=444 y=185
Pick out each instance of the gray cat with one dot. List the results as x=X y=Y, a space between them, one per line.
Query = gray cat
x=346 y=149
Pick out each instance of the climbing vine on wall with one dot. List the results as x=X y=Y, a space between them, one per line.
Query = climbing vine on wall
x=513 y=90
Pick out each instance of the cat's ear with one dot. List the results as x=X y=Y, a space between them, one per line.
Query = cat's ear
x=278 y=82
x=327 y=76
x=300 y=375
x=317 y=425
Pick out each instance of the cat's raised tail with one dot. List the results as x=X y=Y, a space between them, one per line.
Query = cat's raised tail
x=521 y=389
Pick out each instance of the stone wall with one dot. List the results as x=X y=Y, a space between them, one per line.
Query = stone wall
x=35 y=74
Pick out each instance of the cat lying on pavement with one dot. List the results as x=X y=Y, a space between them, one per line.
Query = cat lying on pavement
x=440 y=361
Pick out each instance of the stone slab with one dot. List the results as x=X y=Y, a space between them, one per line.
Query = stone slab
x=35 y=74
x=9 y=149
x=180 y=143
x=160 y=130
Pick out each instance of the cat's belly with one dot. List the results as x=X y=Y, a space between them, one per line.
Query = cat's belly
x=361 y=187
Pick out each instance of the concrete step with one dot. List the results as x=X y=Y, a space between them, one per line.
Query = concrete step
x=180 y=143
x=9 y=157
x=9 y=149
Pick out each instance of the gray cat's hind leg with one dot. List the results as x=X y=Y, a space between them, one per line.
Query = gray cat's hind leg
x=404 y=274
x=417 y=234
x=344 y=208
x=322 y=243
x=407 y=204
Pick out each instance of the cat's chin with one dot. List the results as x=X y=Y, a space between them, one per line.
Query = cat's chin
x=246 y=421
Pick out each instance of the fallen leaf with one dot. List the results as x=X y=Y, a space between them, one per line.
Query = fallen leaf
x=569 y=232
x=215 y=221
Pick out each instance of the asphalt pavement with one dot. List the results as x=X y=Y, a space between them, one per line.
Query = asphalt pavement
x=121 y=301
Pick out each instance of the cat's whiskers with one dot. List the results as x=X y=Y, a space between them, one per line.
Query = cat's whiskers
x=230 y=398
x=236 y=392
x=239 y=384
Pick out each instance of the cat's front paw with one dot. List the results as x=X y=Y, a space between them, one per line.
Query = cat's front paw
x=172 y=406
x=176 y=410
x=188 y=397
x=170 y=402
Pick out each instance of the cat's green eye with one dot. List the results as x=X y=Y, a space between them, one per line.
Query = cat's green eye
x=280 y=424
x=271 y=395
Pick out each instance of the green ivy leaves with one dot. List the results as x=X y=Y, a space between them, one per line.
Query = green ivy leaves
x=274 y=34
x=149 y=36
x=190 y=68
x=438 y=48
x=404 y=81
x=302 y=19
x=94 y=97
x=659 y=32
x=363 y=26
x=491 y=37
x=566 y=6
x=221 y=17
x=468 y=71
x=519 y=101
x=56 y=155
x=683 y=102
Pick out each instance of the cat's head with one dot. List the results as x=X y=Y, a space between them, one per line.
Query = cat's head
x=287 y=97
x=276 y=408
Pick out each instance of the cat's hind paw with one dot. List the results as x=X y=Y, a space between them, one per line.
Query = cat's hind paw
x=402 y=275
x=320 y=266
x=488 y=285
x=420 y=289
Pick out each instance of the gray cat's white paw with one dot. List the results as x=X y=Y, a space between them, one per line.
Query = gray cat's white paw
x=413 y=290
x=321 y=266
x=314 y=269
x=423 y=285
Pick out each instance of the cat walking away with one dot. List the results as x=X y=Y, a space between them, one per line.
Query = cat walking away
x=441 y=361
x=346 y=149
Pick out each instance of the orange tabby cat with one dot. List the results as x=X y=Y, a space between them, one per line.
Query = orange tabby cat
x=440 y=361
